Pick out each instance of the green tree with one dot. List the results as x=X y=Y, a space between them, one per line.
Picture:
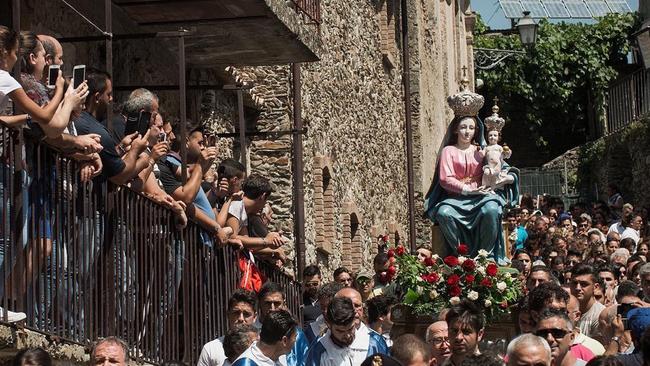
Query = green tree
x=549 y=95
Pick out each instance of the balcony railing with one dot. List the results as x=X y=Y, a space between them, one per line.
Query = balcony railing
x=88 y=260
x=310 y=8
x=628 y=99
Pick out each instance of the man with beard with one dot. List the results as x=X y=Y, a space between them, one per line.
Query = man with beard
x=465 y=324
x=556 y=327
x=362 y=329
x=318 y=327
x=343 y=344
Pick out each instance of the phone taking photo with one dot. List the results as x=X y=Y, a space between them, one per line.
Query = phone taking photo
x=137 y=122
x=52 y=75
x=78 y=75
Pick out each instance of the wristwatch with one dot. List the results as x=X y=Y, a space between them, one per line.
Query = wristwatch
x=616 y=339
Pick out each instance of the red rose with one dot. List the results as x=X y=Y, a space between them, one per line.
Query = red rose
x=400 y=250
x=384 y=238
x=453 y=280
x=469 y=278
x=462 y=249
x=391 y=271
x=384 y=278
x=504 y=305
x=455 y=291
x=486 y=282
x=451 y=261
x=430 y=277
x=391 y=253
x=491 y=269
x=391 y=260
x=429 y=262
x=469 y=265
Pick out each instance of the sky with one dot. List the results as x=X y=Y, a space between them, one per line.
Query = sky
x=493 y=14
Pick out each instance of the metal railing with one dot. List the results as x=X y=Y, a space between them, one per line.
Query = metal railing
x=311 y=8
x=628 y=99
x=89 y=260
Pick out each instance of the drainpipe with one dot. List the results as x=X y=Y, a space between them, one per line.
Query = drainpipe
x=298 y=190
x=406 y=78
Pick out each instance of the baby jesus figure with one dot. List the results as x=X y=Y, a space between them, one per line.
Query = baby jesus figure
x=495 y=171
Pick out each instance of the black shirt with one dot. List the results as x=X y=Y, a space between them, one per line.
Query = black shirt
x=119 y=123
x=168 y=177
x=113 y=164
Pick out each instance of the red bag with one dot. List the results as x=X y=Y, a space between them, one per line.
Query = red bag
x=252 y=279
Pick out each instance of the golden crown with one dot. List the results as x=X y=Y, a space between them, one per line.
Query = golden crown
x=494 y=122
x=465 y=103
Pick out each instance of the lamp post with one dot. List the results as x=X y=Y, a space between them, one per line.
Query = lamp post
x=527 y=30
x=489 y=58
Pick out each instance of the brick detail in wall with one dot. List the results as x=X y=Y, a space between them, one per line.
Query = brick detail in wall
x=352 y=243
x=386 y=15
x=324 y=204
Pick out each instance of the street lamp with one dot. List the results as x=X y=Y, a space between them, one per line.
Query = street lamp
x=488 y=58
x=527 y=29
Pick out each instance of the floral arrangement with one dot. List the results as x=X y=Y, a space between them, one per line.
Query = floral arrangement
x=439 y=283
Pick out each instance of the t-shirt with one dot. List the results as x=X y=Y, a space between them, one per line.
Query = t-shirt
x=593 y=345
x=7 y=85
x=588 y=322
x=119 y=124
x=113 y=163
x=238 y=210
x=254 y=356
x=212 y=353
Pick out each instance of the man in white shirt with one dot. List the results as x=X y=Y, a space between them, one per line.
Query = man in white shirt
x=583 y=284
x=241 y=310
x=344 y=343
x=277 y=338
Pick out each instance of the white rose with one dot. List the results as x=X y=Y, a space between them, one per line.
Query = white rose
x=501 y=286
x=433 y=294
x=473 y=295
x=483 y=253
x=454 y=300
x=488 y=303
x=481 y=270
x=435 y=257
x=461 y=259
x=419 y=290
x=507 y=275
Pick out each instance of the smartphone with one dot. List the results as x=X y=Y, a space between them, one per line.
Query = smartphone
x=622 y=310
x=162 y=137
x=211 y=140
x=78 y=75
x=137 y=122
x=52 y=75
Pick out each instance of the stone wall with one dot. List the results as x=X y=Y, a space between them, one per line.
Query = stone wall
x=440 y=46
x=620 y=158
x=354 y=173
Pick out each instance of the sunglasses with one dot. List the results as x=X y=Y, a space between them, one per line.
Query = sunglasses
x=555 y=333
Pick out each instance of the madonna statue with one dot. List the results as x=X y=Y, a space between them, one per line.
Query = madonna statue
x=466 y=211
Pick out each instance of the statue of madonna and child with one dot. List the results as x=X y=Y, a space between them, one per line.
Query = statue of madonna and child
x=472 y=184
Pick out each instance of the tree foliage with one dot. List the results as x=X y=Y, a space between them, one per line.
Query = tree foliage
x=548 y=94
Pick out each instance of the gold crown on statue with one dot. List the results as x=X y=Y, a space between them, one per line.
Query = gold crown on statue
x=465 y=103
x=494 y=122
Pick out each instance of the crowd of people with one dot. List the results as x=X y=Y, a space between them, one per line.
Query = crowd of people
x=585 y=270
x=230 y=207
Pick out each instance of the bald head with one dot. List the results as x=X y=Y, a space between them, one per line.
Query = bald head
x=438 y=338
x=529 y=349
x=53 y=50
x=355 y=297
